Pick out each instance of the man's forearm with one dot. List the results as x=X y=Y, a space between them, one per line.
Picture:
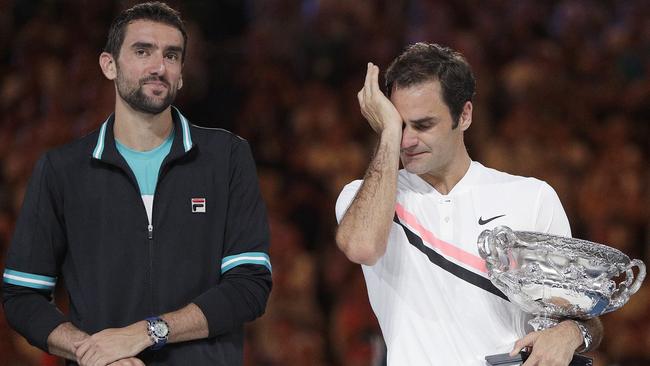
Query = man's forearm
x=186 y=324
x=61 y=341
x=114 y=344
x=363 y=232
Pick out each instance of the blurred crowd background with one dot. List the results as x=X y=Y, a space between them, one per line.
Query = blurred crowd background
x=563 y=95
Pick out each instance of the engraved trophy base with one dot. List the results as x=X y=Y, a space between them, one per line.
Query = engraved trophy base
x=504 y=359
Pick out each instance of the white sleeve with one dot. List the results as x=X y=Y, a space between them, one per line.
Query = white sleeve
x=551 y=217
x=345 y=198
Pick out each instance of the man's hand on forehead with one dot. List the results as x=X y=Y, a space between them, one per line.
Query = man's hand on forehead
x=377 y=109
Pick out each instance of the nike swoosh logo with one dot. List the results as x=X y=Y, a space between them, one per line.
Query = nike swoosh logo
x=483 y=222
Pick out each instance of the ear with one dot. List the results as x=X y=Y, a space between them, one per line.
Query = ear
x=107 y=63
x=465 y=116
x=180 y=82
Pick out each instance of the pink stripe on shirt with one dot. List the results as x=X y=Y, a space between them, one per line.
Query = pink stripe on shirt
x=443 y=247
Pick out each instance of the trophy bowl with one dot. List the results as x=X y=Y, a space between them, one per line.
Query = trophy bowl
x=555 y=278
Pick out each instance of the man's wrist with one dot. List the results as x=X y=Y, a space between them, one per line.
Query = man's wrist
x=583 y=335
x=392 y=132
x=141 y=331
x=62 y=339
x=391 y=138
x=158 y=332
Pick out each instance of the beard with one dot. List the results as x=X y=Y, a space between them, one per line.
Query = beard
x=134 y=96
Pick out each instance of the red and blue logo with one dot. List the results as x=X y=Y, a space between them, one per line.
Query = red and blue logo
x=198 y=205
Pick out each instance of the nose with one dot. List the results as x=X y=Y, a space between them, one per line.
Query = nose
x=157 y=66
x=409 y=138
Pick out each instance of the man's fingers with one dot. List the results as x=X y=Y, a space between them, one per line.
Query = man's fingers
x=94 y=357
x=531 y=361
x=131 y=361
x=85 y=358
x=375 y=80
x=528 y=340
x=76 y=344
x=82 y=348
x=367 y=83
x=516 y=348
x=362 y=103
x=99 y=360
x=88 y=358
x=103 y=361
x=534 y=359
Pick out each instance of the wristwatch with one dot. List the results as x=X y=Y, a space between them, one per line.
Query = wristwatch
x=158 y=330
x=586 y=337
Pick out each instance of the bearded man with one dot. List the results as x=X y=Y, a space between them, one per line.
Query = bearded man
x=156 y=227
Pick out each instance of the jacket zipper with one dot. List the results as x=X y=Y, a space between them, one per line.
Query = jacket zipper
x=150 y=241
x=154 y=308
x=150 y=232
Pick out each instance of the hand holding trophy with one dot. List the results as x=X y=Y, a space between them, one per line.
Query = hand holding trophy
x=556 y=278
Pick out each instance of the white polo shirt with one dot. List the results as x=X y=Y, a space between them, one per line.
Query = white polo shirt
x=430 y=290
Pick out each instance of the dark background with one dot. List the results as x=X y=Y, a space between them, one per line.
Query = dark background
x=563 y=95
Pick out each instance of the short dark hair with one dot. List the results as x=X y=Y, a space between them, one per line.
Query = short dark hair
x=422 y=62
x=155 y=11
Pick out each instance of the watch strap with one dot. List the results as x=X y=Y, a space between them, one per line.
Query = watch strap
x=158 y=342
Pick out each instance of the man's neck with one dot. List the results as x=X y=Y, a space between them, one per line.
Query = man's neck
x=447 y=178
x=141 y=131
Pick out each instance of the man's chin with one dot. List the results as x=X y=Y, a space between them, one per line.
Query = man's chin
x=145 y=103
x=150 y=108
x=152 y=105
x=415 y=168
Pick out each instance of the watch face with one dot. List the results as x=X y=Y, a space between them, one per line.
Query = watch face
x=160 y=329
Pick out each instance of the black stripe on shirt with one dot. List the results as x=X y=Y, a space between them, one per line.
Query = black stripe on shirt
x=449 y=266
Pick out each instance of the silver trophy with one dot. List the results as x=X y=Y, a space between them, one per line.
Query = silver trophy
x=556 y=278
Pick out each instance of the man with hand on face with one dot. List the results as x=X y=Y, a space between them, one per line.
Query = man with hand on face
x=156 y=227
x=415 y=230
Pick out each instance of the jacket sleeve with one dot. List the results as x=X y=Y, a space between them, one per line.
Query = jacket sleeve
x=32 y=264
x=245 y=284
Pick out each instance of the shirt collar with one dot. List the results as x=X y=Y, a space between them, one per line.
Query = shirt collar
x=105 y=146
x=471 y=178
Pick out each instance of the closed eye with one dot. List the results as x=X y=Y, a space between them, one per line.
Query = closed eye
x=423 y=124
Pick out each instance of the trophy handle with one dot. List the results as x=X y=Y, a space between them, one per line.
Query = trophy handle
x=628 y=287
x=486 y=245
x=492 y=245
